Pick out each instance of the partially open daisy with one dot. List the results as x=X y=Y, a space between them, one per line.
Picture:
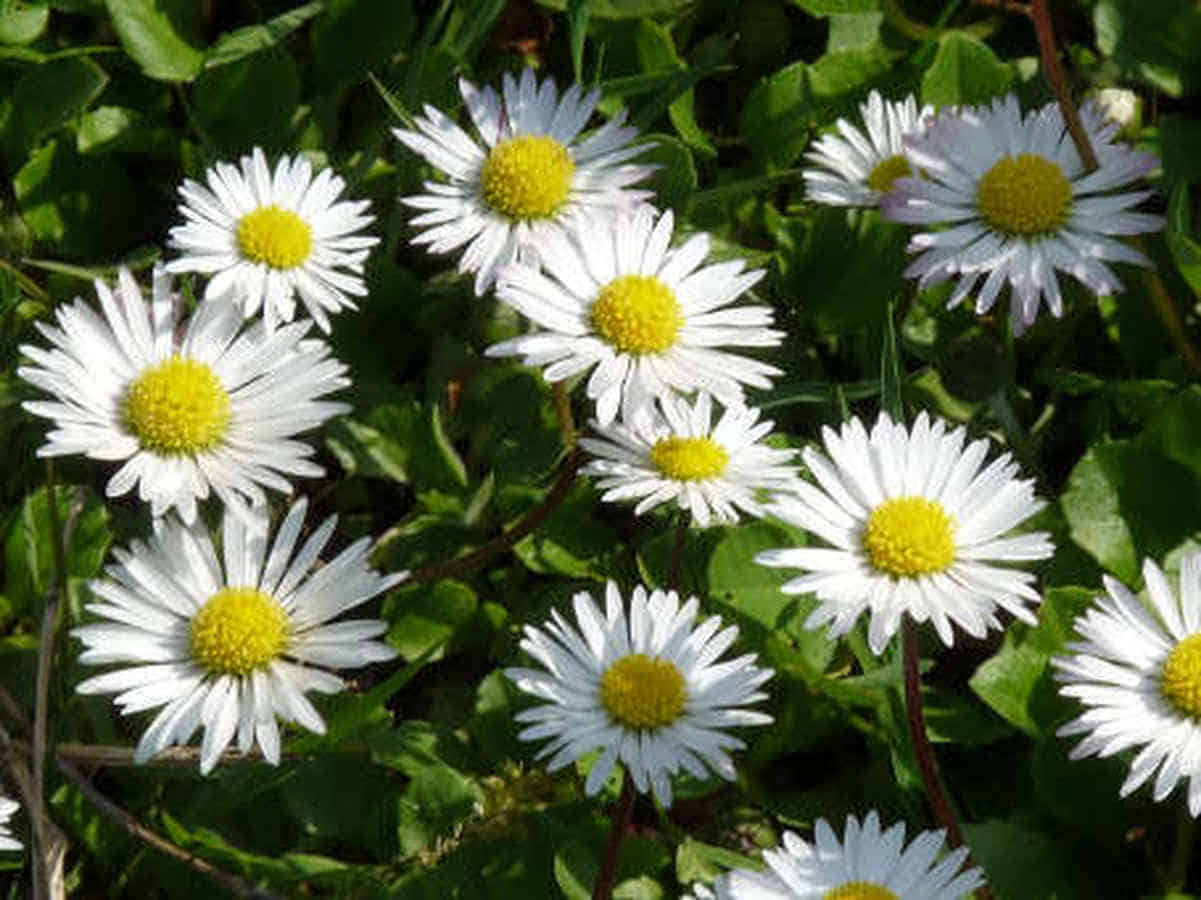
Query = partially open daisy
x=215 y=408
x=867 y=864
x=1137 y=672
x=528 y=170
x=671 y=450
x=917 y=527
x=267 y=237
x=7 y=808
x=643 y=317
x=230 y=644
x=855 y=169
x=1019 y=205
x=644 y=688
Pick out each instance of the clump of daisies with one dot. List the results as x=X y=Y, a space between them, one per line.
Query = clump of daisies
x=529 y=168
x=642 y=685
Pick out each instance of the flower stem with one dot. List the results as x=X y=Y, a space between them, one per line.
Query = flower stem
x=1040 y=12
x=676 y=567
x=1182 y=851
x=603 y=888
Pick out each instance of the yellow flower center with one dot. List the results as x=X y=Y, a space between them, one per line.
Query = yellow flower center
x=275 y=236
x=237 y=630
x=1024 y=194
x=637 y=314
x=860 y=890
x=177 y=407
x=527 y=177
x=1180 y=680
x=909 y=536
x=886 y=172
x=689 y=459
x=640 y=692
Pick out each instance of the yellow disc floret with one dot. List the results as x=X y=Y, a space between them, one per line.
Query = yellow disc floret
x=1180 y=680
x=527 y=177
x=238 y=630
x=689 y=458
x=886 y=172
x=909 y=536
x=1025 y=194
x=860 y=890
x=177 y=407
x=637 y=314
x=275 y=236
x=643 y=693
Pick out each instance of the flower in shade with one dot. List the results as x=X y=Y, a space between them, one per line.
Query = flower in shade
x=214 y=408
x=645 y=688
x=672 y=450
x=867 y=864
x=1137 y=672
x=918 y=526
x=854 y=169
x=7 y=808
x=265 y=238
x=1019 y=205
x=230 y=644
x=641 y=316
x=529 y=169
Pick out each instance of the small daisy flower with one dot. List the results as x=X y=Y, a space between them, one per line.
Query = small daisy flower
x=671 y=450
x=1137 y=672
x=529 y=169
x=644 y=688
x=917 y=526
x=7 y=808
x=1019 y=205
x=855 y=169
x=230 y=644
x=868 y=864
x=266 y=238
x=641 y=316
x=209 y=410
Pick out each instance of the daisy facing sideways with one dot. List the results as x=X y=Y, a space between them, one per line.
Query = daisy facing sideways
x=265 y=238
x=7 y=808
x=918 y=525
x=644 y=687
x=214 y=409
x=618 y=301
x=1137 y=673
x=527 y=169
x=672 y=450
x=857 y=169
x=1018 y=205
x=230 y=644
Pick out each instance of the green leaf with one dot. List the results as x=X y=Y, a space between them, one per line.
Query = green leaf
x=251 y=39
x=1185 y=249
x=375 y=29
x=1159 y=42
x=657 y=51
x=366 y=451
x=150 y=32
x=824 y=8
x=577 y=28
x=47 y=97
x=249 y=102
x=890 y=369
x=626 y=9
x=675 y=182
x=21 y=23
x=104 y=127
x=430 y=615
x=964 y=71
x=775 y=117
x=844 y=74
x=573 y=541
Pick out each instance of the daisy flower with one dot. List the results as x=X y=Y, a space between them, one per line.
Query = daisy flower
x=854 y=169
x=1020 y=205
x=266 y=237
x=643 y=317
x=529 y=169
x=1137 y=673
x=233 y=643
x=671 y=450
x=868 y=864
x=917 y=526
x=215 y=408
x=7 y=808
x=644 y=688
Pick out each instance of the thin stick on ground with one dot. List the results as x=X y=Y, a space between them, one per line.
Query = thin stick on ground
x=603 y=889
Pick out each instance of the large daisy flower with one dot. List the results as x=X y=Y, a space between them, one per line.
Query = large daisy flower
x=230 y=643
x=529 y=169
x=857 y=169
x=266 y=237
x=672 y=450
x=644 y=688
x=643 y=317
x=917 y=526
x=215 y=408
x=1137 y=673
x=7 y=808
x=867 y=864
x=1020 y=205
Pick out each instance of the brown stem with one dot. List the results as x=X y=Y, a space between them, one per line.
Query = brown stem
x=1169 y=314
x=563 y=414
x=124 y=820
x=1040 y=12
x=603 y=889
x=677 y=551
x=103 y=755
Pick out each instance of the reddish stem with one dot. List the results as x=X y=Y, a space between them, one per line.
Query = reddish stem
x=603 y=889
x=1040 y=12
